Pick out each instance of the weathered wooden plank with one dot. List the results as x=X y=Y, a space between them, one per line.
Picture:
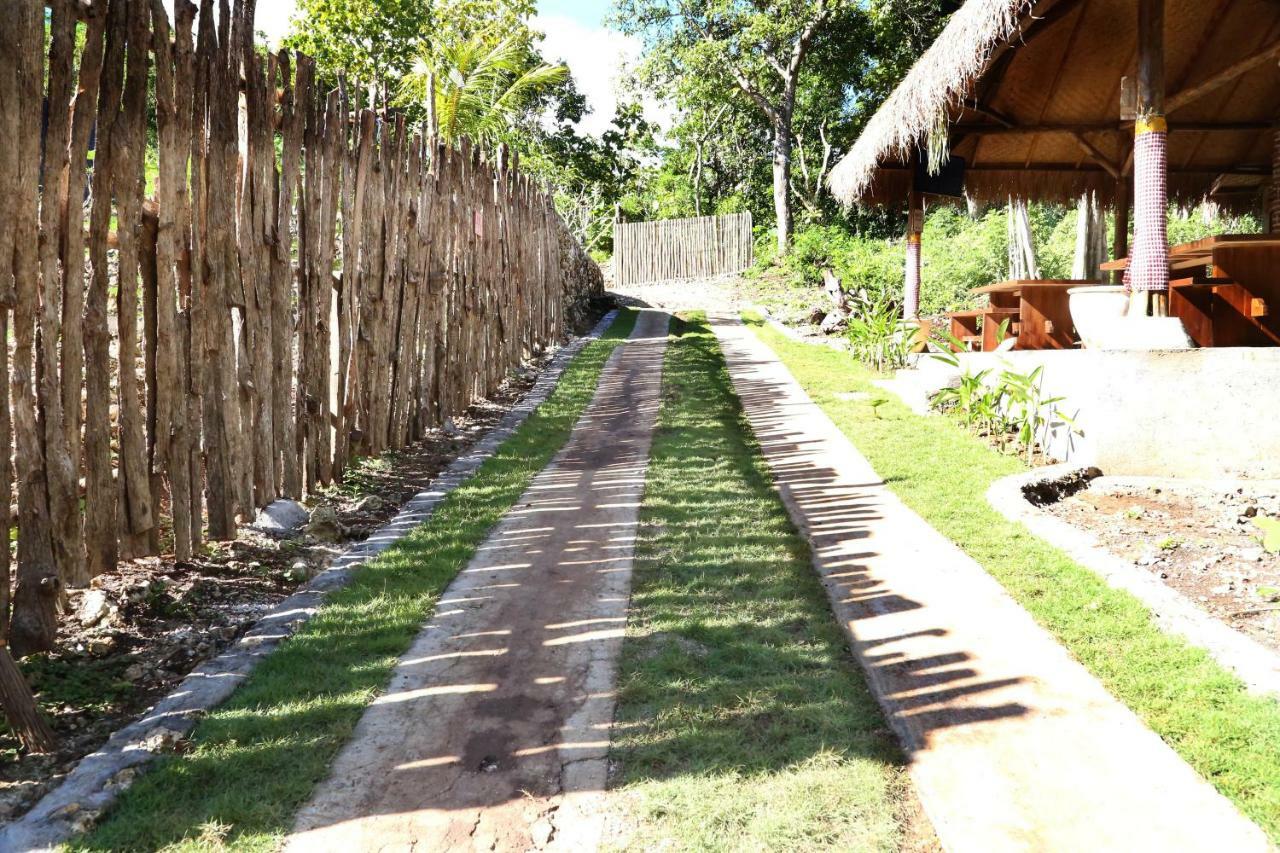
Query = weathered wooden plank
x=284 y=282
x=61 y=474
x=100 y=488
x=220 y=400
x=129 y=140
x=170 y=443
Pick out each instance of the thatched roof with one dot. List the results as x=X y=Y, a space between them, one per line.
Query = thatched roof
x=1031 y=90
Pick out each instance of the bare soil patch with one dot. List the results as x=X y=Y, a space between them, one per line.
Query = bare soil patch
x=138 y=631
x=1200 y=539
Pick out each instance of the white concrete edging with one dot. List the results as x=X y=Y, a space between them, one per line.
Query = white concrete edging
x=1254 y=663
x=95 y=782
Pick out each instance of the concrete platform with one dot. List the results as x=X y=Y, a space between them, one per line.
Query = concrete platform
x=1200 y=414
x=1014 y=746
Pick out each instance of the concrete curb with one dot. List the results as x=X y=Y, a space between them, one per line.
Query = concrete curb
x=1254 y=663
x=93 y=785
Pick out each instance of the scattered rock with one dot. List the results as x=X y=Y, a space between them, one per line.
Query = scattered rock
x=450 y=428
x=94 y=607
x=101 y=646
x=163 y=740
x=134 y=672
x=370 y=505
x=283 y=517
x=324 y=525
x=123 y=779
x=833 y=323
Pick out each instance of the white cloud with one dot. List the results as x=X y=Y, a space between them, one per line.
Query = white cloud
x=597 y=57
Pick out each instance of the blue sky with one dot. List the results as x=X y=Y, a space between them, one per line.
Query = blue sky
x=590 y=13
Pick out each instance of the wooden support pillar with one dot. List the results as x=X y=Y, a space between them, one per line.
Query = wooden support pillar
x=1149 y=269
x=915 y=225
x=1273 y=197
x=1120 y=235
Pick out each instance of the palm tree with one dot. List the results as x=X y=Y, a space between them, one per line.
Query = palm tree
x=481 y=86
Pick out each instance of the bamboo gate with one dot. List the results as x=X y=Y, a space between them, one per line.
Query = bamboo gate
x=310 y=280
x=698 y=247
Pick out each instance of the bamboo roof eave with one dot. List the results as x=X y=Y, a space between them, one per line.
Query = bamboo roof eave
x=1019 y=93
x=939 y=81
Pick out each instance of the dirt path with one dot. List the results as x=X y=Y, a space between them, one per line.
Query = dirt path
x=493 y=733
x=1013 y=744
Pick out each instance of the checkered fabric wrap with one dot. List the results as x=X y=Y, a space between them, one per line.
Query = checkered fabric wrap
x=911 y=297
x=1149 y=267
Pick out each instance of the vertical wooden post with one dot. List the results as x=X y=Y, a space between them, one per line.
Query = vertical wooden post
x=1273 y=200
x=1120 y=236
x=1149 y=269
x=915 y=226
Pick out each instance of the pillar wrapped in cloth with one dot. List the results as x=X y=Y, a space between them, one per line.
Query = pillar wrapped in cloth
x=1149 y=257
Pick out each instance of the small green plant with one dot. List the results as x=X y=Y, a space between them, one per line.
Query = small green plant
x=1168 y=543
x=876 y=333
x=1269 y=594
x=1012 y=408
x=1270 y=528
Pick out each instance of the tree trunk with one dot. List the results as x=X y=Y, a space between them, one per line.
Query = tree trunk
x=782 y=180
x=1022 y=249
x=1091 y=239
x=20 y=709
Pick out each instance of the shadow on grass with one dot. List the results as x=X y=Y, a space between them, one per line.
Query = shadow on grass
x=256 y=759
x=743 y=720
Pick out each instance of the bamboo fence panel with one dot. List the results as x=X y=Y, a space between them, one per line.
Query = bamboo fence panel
x=310 y=280
x=699 y=247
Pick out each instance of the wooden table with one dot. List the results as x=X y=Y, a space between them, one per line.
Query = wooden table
x=1042 y=309
x=1225 y=289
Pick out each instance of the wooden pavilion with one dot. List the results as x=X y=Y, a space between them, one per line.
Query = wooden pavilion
x=1138 y=101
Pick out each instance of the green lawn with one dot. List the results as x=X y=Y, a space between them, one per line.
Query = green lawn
x=256 y=759
x=1231 y=737
x=743 y=720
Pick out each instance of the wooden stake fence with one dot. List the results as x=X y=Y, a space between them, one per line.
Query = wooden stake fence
x=666 y=249
x=309 y=281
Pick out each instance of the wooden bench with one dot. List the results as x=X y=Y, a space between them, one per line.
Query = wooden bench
x=1225 y=289
x=979 y=329
x=1042 y=308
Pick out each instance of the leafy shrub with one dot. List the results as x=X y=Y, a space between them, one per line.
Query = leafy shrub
x=1010 y=410
x=876 y=334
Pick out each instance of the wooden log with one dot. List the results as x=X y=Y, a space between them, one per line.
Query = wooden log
x=20 y=710
x=284 y=283
x=346 y=282
x=61 y=474
x=170 y=442
x=129 y=139
x=33 y=621
x=325 y=294
x=227 y=479
x=84 y=116
x=258 y=222
x=100 y=488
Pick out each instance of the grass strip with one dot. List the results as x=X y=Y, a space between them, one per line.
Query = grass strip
x=942 y=472
x=256 y=759
x=743 y=721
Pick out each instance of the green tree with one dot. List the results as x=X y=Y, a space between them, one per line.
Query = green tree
x=758 y=51
x=481 y=85
x=371 y=41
